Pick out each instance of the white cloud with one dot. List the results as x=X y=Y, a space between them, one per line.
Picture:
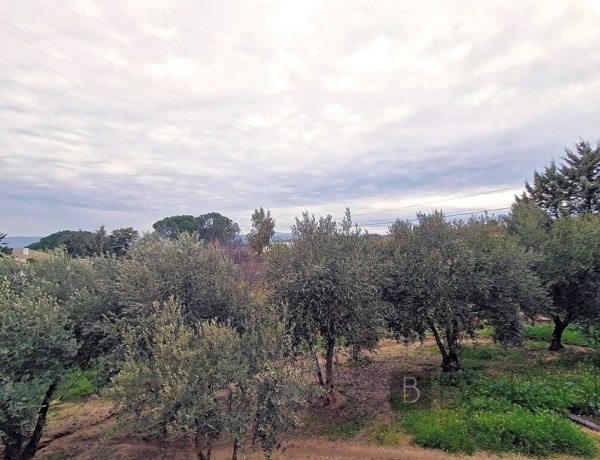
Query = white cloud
x=124 y=112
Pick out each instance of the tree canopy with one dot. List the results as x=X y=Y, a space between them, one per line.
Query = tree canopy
x=263 y=229
x=446 y=277
x=569 y=267
x=324 y=279
x=572 y=188
x=76 y=242
x=209 y=227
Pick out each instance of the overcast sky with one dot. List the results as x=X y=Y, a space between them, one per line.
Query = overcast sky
x=123 y=112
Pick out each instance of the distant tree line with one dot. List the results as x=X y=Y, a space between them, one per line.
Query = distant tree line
x=81 y=243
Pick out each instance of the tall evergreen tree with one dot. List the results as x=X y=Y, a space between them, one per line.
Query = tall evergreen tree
x=121 y=239
x=99 y=243
x=571 y=189
x=4 y=249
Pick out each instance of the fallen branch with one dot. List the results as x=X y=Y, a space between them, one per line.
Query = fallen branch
x=584 y=422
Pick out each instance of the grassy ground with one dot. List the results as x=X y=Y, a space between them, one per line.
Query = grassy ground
x=505 y=401
x=506 y=404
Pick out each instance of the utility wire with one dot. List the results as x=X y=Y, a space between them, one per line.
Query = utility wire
x=436 y=201
x=381 y=224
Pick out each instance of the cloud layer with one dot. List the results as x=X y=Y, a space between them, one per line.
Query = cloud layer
x=124 y=112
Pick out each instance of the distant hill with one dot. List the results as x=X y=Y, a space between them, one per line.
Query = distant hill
x=19 y=242
x=277 y=237
x=282 y=236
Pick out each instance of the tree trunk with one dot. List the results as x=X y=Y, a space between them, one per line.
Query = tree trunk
x=453 y=362
x=329 y=364
x=234 y=456
x=355 y=352
x=450 y=361
x=12 y=447
x=32 y=445
x=317 y=367
x=559 y=327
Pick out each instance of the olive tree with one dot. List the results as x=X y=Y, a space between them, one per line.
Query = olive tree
x=569 y=268
x=444 y=277
x=325 y=282
x=201 y=277
x=263 y=229
x=36 y=347
x=206 y=381
x=85 y=289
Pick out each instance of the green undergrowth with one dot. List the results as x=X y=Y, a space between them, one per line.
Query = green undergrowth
x=78 y=384
x=504 y=401
x=543 y=332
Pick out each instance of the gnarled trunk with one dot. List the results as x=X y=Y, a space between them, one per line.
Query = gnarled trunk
x=559 y=328
x=450 y=359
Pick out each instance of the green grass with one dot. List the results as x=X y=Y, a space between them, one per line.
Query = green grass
x=543 y=332
x=347 y=428
x=76 y=385
x=479 y=356
x=504 y=401
x=511 y=431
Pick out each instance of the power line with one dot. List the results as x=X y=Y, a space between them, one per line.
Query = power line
x=381 y=224
x=436 y=201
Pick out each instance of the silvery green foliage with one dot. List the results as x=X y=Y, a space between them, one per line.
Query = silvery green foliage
x=85 y=288
x=263 y=229
x=206 y=380
x=570 y=269
x=569 y=265
x=36 y=346
x=324 y=281
x=448 y=277
x=201 y=277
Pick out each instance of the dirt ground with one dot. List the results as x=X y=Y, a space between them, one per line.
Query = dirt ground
x=80 y=430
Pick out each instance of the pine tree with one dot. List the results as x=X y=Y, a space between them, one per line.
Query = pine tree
x=582 y=177
x=4 y=249
x=571 y=189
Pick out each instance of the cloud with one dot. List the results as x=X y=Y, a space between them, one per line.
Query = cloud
x=124 y=112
